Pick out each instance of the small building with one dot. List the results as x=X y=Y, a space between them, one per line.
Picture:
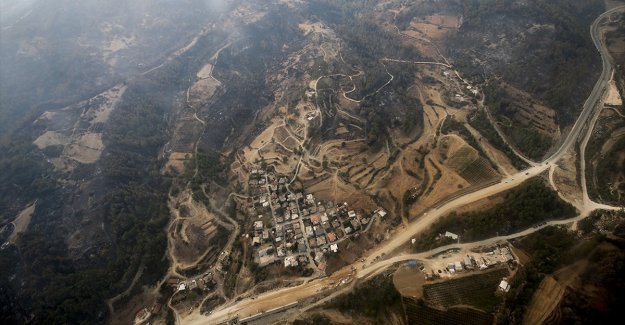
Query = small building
x=258 y=225
x=290 y=261
x=504 y=285
x=451 y=235
x=182 y=287
x=458 y=266
x=334 y=248
x=331 y=237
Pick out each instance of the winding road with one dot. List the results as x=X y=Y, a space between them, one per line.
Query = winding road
x=374 y=264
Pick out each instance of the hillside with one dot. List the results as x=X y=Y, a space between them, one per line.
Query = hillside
x=162 y=160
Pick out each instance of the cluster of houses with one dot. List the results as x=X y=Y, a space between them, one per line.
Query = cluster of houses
x=204 y=283
x=483 y=261
x=472 y=89
x=294 y=227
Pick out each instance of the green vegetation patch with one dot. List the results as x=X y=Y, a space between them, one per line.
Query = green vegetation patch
x=374 y=299
x=609 y=169
x=528 y=204
x=533 y=143
x=480 y=122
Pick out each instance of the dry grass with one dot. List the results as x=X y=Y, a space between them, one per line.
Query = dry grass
x=202 y=90
x=565 y=178
x=613 y=97
x=435 y=27
x=51 y=138
x=85 y=149
x=205 y=72
x=22 y=221
x=177 y=161
x=545 y=300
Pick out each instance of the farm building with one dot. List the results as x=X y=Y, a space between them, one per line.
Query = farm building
x=451 y=235
x=504 y=285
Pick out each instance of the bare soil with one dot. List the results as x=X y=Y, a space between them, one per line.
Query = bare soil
x=177 y=161
x=409 y=281
x=51 y=138
x=85 y=149
x=22 y=221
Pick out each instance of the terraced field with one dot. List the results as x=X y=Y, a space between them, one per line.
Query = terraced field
x=470 y=166
x=479 y=172
x=418 y=313
x=474 y=290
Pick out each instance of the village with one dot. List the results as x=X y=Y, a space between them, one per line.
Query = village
x=296 y=228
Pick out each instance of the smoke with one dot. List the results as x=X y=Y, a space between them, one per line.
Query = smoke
x=217 y=6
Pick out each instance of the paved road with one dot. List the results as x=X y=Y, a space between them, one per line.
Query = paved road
x=590 y=105
x=600 y=87
x=284 y=296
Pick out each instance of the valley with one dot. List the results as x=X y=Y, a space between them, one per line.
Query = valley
x=276 y=162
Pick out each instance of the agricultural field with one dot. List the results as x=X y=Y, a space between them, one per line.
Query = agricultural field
x=474 y=290
x=470 y=166
x=418 y=313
